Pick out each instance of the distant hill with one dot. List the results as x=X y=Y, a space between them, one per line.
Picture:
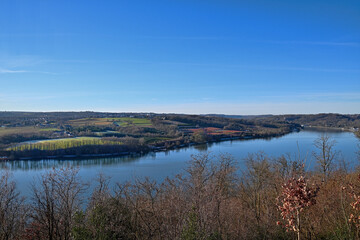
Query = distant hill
x=239 y=116
x=333 y=120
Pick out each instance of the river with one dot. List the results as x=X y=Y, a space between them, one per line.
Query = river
x=162 y=164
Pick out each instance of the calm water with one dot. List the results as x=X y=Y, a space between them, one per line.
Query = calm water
x=162 y=164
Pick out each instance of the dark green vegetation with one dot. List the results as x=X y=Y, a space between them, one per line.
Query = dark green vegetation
x=210 y=201
x=72 y=134
x=331 y=120
x=103 y=134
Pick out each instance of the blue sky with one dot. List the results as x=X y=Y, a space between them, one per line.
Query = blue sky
x=183 y=56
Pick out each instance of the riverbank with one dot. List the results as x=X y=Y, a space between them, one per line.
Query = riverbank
x=154 y=170
x=330 y=128
x=163 y=147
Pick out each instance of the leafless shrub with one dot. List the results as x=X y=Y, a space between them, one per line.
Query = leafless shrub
x=13 y=212
x=55 y=201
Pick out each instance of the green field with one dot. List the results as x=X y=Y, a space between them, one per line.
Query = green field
x=56 y=144
x=123 y=121
x=126 y=121
x=91 y=121
x=48 y=129
x=100 y=134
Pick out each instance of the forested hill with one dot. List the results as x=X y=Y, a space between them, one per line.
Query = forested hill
x=33 y=118
x=333 y=120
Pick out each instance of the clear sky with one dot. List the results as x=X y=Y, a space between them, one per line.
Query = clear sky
x=183 y=56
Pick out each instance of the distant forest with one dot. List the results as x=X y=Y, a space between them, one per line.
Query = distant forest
x=333 y=120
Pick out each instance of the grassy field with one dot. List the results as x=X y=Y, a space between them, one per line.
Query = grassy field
x=48 y=129
x=21 y=130
x=91 y=121
x=141 y=122
x=56 y=144
x=124 y=122
x=215 y=131
x=100 y=134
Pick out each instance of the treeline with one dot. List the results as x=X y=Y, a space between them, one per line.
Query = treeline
x=63 y=144
x=229 y=123
x=324 y=120
x=320 y=120
x=66 y=148
x=209 y=201
x=6 y=140
x=33 y=118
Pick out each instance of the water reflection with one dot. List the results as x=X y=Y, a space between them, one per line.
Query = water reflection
x=160 y=165
x=202 y=147
x=238 y=148
x=29 y=165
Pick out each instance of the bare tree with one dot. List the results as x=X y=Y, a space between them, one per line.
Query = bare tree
x=12 y=209
x=257 y=182
x=101 y=191
x=326 y=154
x=106 y=216
x=55 y=201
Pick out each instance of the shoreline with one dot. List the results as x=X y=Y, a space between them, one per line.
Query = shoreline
x=154 y=149
x=165 y=149
x=330 y=128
